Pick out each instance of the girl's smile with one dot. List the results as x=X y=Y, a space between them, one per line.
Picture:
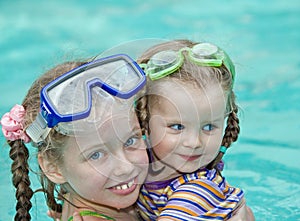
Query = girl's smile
x=189 y=157
x=125 y=188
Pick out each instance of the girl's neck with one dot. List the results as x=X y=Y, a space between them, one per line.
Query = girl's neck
x=166 y=173
x=73 y=203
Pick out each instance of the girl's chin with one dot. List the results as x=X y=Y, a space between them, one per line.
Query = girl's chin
x=189 y=167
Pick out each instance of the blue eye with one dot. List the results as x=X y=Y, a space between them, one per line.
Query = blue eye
x=208 y=127
x=96 y=155
x=177 y=127
x=130 y=142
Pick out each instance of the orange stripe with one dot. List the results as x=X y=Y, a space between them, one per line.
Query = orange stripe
x=181 y=180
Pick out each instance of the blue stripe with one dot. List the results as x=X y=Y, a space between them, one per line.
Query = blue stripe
x=222 y=183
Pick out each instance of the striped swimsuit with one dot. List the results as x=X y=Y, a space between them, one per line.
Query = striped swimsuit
x=202 y=195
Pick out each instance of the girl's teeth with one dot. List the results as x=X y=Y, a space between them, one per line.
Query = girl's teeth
x=130 y=183
x=125 y=186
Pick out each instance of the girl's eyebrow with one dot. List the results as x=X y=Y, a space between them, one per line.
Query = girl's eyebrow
x=215 y=120
x=135 y=130
x=219 y=118
x=94 y=146
x=175 y=119
x=171 y=122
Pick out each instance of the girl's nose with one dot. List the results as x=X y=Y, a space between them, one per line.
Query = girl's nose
x=123 y=166
x=192 y=140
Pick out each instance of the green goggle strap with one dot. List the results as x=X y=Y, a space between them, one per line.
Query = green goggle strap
x=230 y=66
x=222 y=58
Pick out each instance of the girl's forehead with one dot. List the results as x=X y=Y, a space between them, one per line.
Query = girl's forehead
x=102 y=117
x=171 y=89
x=113 y=130
x=119 y=123
x=164 y=85
x=187 y=97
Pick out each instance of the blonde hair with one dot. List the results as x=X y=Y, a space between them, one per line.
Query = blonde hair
x=202 y=77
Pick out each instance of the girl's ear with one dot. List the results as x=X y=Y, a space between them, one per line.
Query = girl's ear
x=51 y=170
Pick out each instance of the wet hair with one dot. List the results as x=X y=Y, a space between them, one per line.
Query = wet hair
x=19 y=152
x=200 y=76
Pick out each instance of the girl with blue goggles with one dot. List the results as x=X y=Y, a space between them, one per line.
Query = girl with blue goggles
x=98 y=174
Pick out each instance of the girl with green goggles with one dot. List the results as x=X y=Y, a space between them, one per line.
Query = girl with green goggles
x=189 y=97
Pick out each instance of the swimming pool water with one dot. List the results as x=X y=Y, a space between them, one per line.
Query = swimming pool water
x=262 y=38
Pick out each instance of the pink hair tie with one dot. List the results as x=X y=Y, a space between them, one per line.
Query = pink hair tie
x=12 y=124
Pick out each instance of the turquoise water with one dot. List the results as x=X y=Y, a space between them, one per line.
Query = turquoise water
x=262 y=38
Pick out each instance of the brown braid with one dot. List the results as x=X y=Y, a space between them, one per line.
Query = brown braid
x=232 y=129
x=51 y=200
x=20 y=154
x=142 y=113
x=20 y=170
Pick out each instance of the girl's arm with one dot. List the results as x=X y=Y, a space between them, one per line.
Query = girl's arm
x=77 y=217
x=54 y=215
x=242 y=213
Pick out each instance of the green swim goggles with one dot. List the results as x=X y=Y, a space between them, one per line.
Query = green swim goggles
x=203 y=54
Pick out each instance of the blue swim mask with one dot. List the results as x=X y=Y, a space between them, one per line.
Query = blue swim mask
x=69 y=97
x=167 y=62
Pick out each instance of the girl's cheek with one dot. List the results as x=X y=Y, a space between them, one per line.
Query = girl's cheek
x=139 y=157
x=143 y=157
x=157 y=129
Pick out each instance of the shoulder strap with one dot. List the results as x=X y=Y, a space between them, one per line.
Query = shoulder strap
x=92 y=213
